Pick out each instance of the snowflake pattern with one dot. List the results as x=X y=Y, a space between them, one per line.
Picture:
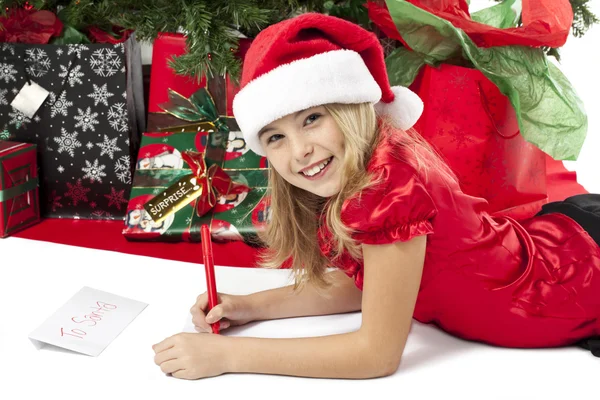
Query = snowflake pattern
x=122 y=169
x=105 y=62
x=38 y=62
x=94 y=172
x=7 y=72
x=54 y=201
x=4 y=135
x=77 y=192
x=109 y=146
x=100 y=95
x=59 y=51
x=60 y=105
x=18 y=119
x=188 y=220
x=60 y=169
x=86 y=120
x=117 y=117
x=89 y=145
x=67 y=142
x=461 y=138
x=8 y=47
x=73 y=76
x=116 y=198
x=3 y=100
x=77 y=49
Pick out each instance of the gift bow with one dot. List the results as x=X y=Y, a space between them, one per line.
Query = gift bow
x=198 y=108
x=29 y=26
x=213 y=180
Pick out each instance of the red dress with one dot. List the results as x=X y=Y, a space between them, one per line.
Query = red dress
x=532 y=283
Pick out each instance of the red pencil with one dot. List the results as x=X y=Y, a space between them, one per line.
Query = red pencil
x=209 y=266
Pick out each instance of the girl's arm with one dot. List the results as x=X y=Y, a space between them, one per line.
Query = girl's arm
x=341 y=297
x=391 y=282
x=392 y=274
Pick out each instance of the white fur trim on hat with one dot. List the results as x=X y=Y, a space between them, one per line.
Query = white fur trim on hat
x=405 y=110
x=338 y=76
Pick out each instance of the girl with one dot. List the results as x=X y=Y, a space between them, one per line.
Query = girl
x=354 y=188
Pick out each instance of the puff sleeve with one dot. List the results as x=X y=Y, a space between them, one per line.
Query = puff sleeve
x=397 y=208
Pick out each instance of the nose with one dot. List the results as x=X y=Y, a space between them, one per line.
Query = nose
x=301 y=148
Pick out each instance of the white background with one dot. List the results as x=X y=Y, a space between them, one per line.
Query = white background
x=36 y=278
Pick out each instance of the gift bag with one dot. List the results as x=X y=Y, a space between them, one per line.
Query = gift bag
x=86 y=129
x=481 y=73
x=473 y=126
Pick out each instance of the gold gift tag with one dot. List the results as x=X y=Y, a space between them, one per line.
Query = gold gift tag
x=174 y=198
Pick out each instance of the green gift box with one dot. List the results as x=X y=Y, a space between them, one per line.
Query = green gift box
x=236 y=214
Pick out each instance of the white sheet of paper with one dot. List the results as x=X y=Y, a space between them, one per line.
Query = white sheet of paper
x=89 y=321
x=292 y=327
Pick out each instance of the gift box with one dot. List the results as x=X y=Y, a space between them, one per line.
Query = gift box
x=86 y=129
x=19 y=206
x=164 y=84
x=232 y=192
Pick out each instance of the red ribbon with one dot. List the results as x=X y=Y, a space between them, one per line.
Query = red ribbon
x=118 y=35
x=214 y=181
x=29 y=26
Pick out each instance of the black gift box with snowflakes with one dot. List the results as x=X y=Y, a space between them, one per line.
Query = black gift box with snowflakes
x=86 y=130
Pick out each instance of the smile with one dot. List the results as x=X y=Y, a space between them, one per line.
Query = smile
x=317 y=169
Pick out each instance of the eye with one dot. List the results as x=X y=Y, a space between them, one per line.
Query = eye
x=274 y=138
x=311 y=118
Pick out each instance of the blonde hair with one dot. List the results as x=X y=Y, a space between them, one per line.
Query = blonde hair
x=291 y=235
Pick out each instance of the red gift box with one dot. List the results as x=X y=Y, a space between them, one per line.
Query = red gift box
x=19 y=205
x=162 y=78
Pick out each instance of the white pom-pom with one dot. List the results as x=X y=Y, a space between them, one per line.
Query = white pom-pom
x=405 y=110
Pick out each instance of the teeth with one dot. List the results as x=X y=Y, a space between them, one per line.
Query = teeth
x=316 y=169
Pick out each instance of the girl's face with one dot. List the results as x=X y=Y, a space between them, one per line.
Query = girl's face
x=306 y=148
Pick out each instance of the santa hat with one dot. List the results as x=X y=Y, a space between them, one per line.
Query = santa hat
x=311 y=60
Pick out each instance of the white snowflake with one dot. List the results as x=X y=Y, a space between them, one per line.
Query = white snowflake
x=117 y=117
x=3 y=100
x=7 y=72
x=109 y=146
x=8 y=47
x=100 y=95
x=77 y=48
x=73 y=76
x=124 y=95
x=122 y=169
x=156 y=191
x=89 y=145
x=188 y=220
x=60 y=169
x=105 y=62
x=127 y=141
x=94 y=171
x=18 y=119
x=13 y=90
x=67 y=142
x=60 y=105
x=37 y=118
x=86 y=120
x=59 y=51
x=39 y=63
x=120 y=47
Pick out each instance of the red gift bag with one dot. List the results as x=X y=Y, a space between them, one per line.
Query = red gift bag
x=474 y=128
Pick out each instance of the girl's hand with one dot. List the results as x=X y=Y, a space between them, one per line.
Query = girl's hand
x=192 y=356
x=231 y=311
